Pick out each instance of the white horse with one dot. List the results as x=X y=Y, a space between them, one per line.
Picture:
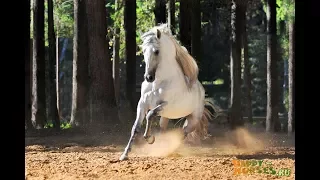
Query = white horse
x=171 y=88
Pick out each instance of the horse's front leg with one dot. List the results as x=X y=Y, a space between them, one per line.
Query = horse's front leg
x=150 y=117
x=141 y=112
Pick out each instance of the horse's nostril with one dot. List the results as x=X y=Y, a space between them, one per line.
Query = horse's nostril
x=149 y=78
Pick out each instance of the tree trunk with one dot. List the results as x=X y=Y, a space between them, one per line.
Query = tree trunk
x=291 y=116
x=80 y=79
x=281 y=67
x=116 y=59
x=160 y=11
x=247 y=73
x=130 y=39
x=235 y=65
x=47 y=84
x=38 y=88
x=272 y=119
x=196 y=30
x=185 y=24
x=52 y=63
x=28 y=75
x=104 y=110
x=109 y=24
x=171 y=15
x=57 y=77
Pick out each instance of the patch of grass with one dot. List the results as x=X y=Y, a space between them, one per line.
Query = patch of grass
x=63 y=125
x=216 y=82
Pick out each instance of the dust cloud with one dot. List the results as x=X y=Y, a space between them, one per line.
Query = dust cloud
x=171 y=144
x=240 y=140
x=164 y=145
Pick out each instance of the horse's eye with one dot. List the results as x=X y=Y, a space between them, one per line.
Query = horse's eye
x=156 y=52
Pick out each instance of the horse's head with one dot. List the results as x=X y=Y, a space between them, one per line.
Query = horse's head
x=160 y=49
x=155 y=42
x=151 y=51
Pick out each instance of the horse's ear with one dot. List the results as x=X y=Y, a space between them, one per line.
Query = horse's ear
x=158 y=34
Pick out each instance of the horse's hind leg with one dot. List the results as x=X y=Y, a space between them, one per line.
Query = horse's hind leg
x=150 y=117
x=141 y=112
x=163 y=124
x=191 y=123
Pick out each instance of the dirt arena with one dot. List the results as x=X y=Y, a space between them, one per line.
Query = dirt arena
x=96 y=157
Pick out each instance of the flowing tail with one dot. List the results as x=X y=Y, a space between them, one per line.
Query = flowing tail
x=201 y=131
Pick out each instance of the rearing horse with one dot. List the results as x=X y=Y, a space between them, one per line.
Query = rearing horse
x=171 y=88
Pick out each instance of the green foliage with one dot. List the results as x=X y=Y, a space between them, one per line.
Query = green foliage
x=284 y=43
x=63 y=125
x=63 y=17
x=64 y=20
x=216 y=82
x=48 y=125
x=145 y=20
x=118 y=21
x=286 y=10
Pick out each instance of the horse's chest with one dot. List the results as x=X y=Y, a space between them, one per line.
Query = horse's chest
x=179 y=104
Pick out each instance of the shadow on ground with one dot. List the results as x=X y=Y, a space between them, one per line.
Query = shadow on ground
x=268 y=155
x=74 y=141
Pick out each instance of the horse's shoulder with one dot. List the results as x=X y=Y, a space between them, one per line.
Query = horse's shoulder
x=186 y=78
x=189 y=82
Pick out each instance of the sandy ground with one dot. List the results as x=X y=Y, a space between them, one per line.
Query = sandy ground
x=96 y=157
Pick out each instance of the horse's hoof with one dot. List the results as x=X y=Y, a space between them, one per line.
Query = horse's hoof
x=123 y=157
x=151 y=139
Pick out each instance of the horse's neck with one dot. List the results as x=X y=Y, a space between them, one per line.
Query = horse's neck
x=170 y=70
